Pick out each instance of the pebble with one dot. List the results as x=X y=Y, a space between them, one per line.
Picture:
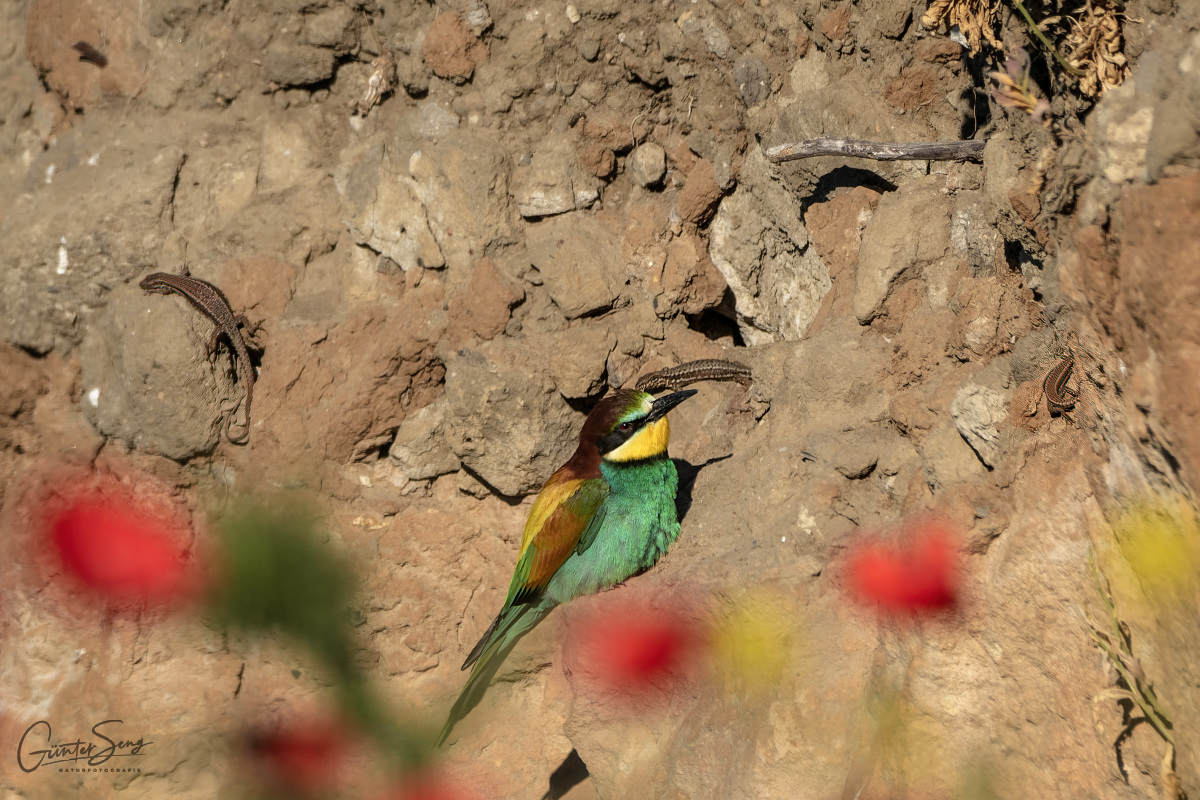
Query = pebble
x=753 y=80
x=436 y=121
x=647 y=164
x=589 y=48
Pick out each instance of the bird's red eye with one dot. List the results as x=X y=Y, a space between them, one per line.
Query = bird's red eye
x=626 y=426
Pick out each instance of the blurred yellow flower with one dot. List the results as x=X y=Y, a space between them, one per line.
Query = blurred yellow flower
x=752 y=644
x=1161 y=543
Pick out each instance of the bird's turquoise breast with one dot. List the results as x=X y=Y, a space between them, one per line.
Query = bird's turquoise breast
x=639 y=525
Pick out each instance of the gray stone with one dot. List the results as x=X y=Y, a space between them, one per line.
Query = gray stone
x=591 y=90
x=947 y=459
x=753 y=79
x=420 y=449
x=854 y=454
x=910 y=228
x=978 y=413
x=72 y=229
x=647 y=164
x=589 y=48
x=289 y=63
x=333 y=28
x=287 y=158
x=508 y=425
x=579 y=262
x=477 y=16
x=382 y=207
x=777 y=284
x=411 y=72
x=883 y=19
x=544 y=190
x=496 y=99
x=435 y=121
x=147 y=378
x=463 y=182
x=1123 y=123
x=577 y=358
x=715 y=37
x=1004 y=158
x=1173 y=136
x=759 y=177
x=974 y=236
x=554 y=182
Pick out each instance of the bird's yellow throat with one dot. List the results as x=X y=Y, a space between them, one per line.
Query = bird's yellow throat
x=649 y=442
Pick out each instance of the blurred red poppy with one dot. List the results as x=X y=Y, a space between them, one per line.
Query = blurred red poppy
x=118 y=552
x=302 y=758
x=629 y=651
x=641 y=651
x=917 y=576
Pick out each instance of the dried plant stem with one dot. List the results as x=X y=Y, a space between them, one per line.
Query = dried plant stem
x=1118 y=653
x=878 y=151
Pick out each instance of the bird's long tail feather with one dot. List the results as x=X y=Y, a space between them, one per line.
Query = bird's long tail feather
x=509 y=627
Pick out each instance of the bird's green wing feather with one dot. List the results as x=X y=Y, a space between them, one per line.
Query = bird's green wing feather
x=589 y=533
x=563 y=520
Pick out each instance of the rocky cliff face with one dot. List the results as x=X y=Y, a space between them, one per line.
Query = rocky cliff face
x=458 y=225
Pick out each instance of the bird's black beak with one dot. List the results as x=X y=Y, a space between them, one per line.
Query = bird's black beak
x=668 y=401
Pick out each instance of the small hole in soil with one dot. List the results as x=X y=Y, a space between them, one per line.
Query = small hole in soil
x=843 y=179
x=716 y=325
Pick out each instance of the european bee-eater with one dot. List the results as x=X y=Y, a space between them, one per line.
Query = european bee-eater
x=604 y=516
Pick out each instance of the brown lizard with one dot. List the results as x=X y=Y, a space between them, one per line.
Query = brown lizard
x=706 y=369
x=1060 y=399
x=211 y=302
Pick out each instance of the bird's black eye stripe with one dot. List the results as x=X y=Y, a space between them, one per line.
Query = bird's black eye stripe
x=620 y=434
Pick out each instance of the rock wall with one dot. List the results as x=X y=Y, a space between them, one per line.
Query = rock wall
x=457 y=225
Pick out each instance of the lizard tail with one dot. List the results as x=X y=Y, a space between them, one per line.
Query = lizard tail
x=240 y=438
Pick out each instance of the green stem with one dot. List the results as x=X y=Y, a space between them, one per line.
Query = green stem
x=403 y=749
x=1046 y=42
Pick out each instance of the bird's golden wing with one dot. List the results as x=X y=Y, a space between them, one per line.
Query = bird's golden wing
x=560 y=516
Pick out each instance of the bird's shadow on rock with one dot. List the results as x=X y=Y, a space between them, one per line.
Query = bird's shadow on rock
x=687 y=479
x=570 y=773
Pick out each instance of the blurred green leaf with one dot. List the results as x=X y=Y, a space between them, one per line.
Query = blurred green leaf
x=278 y=576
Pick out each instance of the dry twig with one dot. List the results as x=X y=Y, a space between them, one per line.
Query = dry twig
x=878 y=151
